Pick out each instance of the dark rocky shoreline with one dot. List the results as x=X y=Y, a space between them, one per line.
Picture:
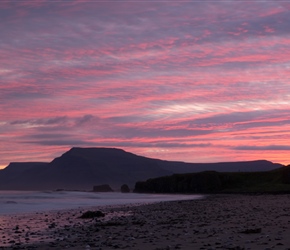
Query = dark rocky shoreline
x=216 y=222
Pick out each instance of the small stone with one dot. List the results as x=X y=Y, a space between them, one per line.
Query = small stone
x=92 y=214
x=252 y=231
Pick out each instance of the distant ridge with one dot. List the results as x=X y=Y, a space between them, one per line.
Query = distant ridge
x=82 y=168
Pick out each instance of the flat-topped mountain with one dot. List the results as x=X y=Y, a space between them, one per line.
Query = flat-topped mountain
x=83 y=168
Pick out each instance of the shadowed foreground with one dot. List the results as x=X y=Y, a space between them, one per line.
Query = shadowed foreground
x=216 y=222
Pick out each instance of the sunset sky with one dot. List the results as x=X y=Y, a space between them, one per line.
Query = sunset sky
x=196 y=81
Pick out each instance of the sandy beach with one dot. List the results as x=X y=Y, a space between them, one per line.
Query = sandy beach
x=215 y=222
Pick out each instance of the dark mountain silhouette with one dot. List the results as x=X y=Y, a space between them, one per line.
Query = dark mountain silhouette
x=83 y=168
x=19 y=175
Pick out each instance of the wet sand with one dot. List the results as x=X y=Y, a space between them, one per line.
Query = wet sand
x=215 y=222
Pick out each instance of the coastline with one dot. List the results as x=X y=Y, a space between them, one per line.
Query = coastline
x=221 y=221
x=23 y=202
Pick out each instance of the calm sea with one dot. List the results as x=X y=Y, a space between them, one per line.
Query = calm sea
x=18 y=202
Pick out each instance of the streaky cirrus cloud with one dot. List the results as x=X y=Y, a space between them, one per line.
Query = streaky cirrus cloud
x=194 y=81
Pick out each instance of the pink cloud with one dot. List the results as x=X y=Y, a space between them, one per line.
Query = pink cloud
x=171 y=81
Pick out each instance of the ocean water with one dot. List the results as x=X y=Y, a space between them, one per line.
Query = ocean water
x=19 y=202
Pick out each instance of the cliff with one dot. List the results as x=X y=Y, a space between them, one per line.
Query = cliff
x=275 y=181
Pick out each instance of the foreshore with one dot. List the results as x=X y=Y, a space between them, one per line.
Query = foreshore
x=214 y=222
